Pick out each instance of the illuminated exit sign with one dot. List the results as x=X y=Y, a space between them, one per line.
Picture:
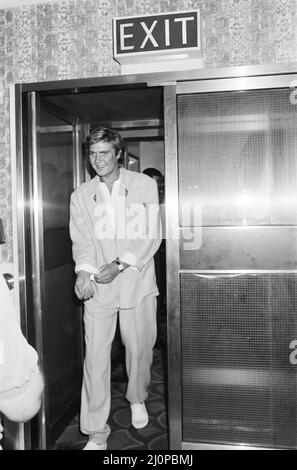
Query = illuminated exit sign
x=157 y=35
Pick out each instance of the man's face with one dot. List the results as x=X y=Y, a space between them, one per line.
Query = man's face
x=103 y=158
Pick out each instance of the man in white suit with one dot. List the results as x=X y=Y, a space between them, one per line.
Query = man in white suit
x=114 y=226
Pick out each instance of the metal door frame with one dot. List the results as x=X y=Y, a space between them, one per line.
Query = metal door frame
x=174 y=83
x=27 y=211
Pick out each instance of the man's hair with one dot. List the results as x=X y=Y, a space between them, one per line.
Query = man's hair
x=104 y=134
x=153 y=172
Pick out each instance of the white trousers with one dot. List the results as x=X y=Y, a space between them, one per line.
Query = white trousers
x=138 y=332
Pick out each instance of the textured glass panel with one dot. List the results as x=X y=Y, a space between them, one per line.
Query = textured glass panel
x=238 y=372
x=272 y=248
x=237 y=157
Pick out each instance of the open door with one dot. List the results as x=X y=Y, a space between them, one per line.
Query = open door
x=53 y=167
x=53 y=314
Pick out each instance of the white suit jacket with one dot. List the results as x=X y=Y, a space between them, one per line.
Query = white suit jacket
x=132 y=286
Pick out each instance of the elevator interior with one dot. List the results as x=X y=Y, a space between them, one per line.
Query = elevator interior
x=231 y=176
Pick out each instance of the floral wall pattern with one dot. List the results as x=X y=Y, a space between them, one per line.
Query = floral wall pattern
x=73 y=39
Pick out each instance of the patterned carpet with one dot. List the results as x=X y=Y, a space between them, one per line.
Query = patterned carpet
x=123 y=436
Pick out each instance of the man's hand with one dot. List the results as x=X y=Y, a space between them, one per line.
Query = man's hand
x=83 y=286
x=107 y=273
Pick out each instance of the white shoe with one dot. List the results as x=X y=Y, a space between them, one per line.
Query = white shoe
x=91 y=445
x=139 y=416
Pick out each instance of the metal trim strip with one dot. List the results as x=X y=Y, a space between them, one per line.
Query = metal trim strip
x=237 y=84
x=205 y=446
x=37 y=250
x=172 y=266
x=159 y=79
x=237 y=271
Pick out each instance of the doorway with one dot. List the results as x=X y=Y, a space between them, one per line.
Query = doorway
x=55 y=164
x=237 y=288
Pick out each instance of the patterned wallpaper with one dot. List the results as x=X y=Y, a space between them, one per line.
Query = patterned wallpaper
x=73 y=39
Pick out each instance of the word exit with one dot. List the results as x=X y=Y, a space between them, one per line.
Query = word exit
x=163 y=32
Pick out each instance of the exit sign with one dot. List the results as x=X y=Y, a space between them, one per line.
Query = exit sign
x=164 y=33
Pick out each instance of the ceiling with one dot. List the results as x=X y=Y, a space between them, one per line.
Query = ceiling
x=113 y=106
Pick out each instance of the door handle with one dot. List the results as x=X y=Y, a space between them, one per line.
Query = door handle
x=219 y=276
x=9 y=280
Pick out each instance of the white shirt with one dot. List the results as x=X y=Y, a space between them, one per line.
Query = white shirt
x=111 y=201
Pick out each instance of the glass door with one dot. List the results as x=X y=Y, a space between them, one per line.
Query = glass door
x=55 y=170
x=237 y=179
